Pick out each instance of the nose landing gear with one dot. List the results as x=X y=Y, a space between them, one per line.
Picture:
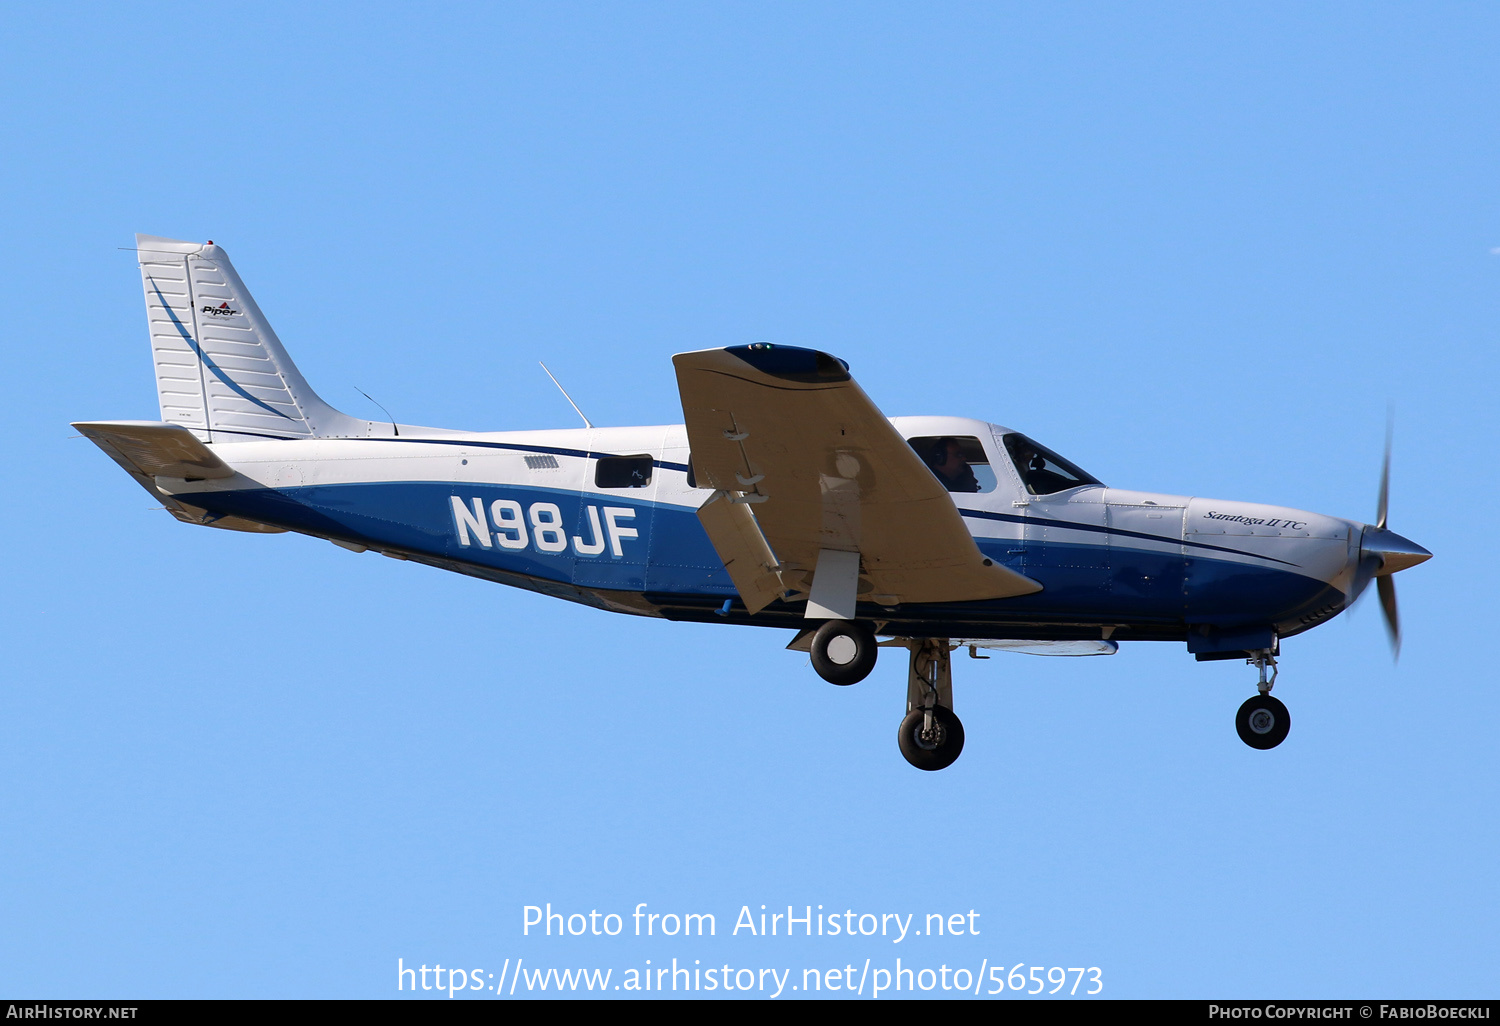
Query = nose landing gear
x=1263 y=722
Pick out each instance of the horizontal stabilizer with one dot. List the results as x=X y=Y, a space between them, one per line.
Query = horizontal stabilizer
x=147 y=450
x=155 y=449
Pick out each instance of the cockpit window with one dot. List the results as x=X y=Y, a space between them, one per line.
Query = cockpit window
x=1043 y=470
x=958 y=461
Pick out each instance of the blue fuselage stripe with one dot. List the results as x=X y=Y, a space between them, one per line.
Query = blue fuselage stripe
x=977 y=514
x=1071 y=525
x=664 y=554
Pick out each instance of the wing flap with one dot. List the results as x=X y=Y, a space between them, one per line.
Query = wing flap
x=737 y=539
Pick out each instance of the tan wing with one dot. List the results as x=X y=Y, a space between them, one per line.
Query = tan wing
x=788 y=434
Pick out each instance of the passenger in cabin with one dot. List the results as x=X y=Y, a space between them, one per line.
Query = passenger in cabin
x=948 y=463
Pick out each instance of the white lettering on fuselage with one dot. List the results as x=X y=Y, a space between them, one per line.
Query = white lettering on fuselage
x=546 y=532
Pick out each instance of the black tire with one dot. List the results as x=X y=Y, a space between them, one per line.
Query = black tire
x=931 y=753
x=843 y=652
x=1263 y=722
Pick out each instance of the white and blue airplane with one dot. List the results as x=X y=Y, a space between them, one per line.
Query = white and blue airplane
x=786 y=499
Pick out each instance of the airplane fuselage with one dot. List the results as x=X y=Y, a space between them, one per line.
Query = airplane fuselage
x=529 y=509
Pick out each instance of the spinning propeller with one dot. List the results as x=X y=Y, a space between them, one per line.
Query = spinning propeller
x=1383 y=552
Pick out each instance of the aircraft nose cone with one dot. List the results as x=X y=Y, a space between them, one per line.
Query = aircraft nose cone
x=1394 y=552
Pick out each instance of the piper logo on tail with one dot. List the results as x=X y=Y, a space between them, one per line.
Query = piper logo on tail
x=540 y=526
x=222 y=310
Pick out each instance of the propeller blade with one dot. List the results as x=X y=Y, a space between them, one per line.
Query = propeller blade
x=1387 y=588
x=1385 y=474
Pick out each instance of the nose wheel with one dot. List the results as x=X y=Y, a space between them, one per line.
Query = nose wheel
x=1263 y=722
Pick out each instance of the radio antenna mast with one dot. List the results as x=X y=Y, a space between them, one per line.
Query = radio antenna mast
x=566 y=396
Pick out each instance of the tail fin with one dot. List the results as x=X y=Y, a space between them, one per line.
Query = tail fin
x=221 y=371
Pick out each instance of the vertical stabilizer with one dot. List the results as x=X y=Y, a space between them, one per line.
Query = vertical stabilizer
x=221 y=371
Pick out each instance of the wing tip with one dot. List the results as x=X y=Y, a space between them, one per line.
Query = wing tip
x=783 y=363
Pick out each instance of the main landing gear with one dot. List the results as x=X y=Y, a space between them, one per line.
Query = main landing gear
x=931 y=735
x=1263 y=722
x=843 y=652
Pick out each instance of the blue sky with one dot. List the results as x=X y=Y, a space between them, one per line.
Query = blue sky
x=1194 y=249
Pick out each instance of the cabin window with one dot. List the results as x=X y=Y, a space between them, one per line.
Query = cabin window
x=958 y=461
x=1042 y=470
x=623 y=472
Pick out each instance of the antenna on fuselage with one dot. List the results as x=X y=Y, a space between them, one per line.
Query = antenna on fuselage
x=566 y=396
x=368 y=396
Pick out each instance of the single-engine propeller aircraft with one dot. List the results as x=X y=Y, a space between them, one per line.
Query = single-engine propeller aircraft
x=786 y=499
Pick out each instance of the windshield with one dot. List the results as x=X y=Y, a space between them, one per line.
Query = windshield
x=1043 y=470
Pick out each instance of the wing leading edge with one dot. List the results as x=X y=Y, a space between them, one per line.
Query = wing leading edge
x=818 y=473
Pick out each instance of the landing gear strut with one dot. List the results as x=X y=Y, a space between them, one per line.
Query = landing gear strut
x=1263 y=722
x=931 y=735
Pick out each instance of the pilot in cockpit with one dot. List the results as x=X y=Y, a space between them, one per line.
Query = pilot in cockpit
x=948 y=463
x=1039 y=477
